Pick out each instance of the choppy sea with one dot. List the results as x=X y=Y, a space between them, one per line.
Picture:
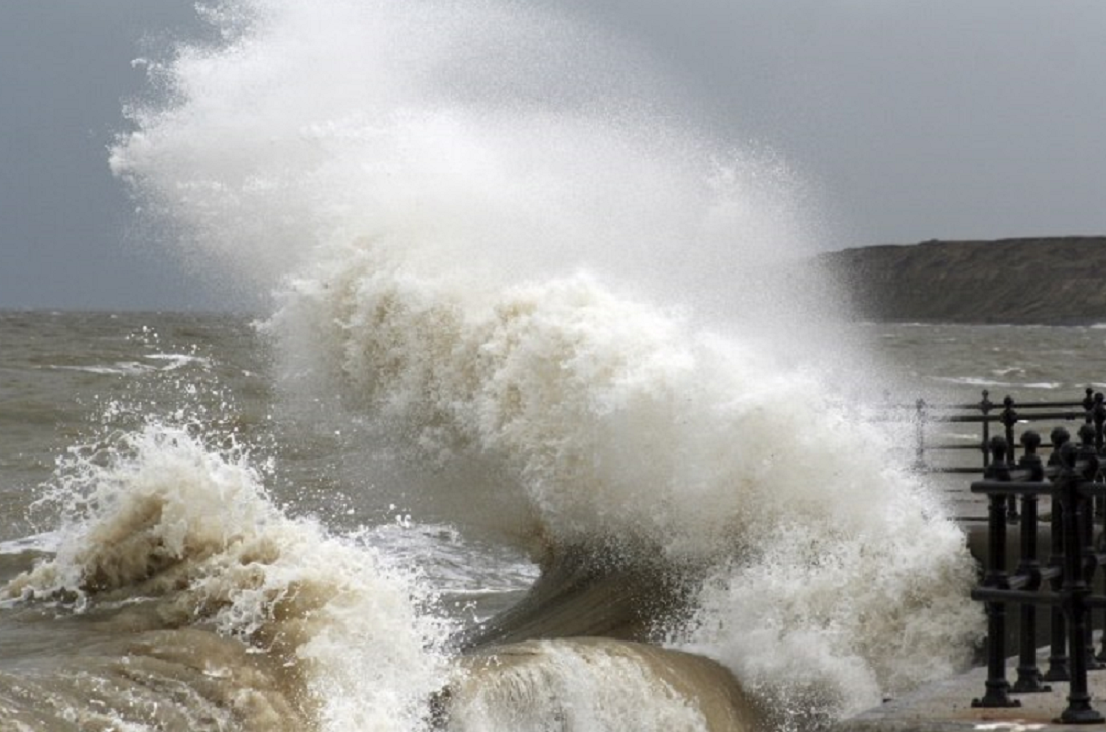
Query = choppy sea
x=192 y=540
x=543 y=423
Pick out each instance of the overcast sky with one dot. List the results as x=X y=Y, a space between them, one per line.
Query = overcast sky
x=915 y=120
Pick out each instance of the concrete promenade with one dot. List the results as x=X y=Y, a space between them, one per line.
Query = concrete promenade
x=946 y=706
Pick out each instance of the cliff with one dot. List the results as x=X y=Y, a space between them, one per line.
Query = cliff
x=1053 y=281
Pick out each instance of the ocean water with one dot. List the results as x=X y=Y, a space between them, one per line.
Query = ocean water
x=189 y=542
x=538 y=423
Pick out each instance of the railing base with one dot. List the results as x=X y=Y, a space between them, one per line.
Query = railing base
x=1081 y=715
x=997 y=696
x=1031 y=685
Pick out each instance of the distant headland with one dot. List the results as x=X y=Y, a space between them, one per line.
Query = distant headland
x=1046 y=281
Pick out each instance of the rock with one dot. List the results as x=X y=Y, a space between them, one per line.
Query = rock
x=1048 y=281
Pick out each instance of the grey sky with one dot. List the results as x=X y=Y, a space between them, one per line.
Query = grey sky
x=64 y=68
x=944 y=118
x=947 y=119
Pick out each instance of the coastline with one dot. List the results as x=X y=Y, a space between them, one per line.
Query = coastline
x=1023 y=281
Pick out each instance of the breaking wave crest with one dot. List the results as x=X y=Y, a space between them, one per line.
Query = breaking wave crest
x=186 y=537
x=504 y=257
x=631 y=432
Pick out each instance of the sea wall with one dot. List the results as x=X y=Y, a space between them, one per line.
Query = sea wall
x=1049 y=281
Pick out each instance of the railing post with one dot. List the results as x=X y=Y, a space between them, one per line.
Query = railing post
x=985 y=406
x=1087 y=452
x=1058 y=660
x=1099 y=418
x=1075 y=588
x=1009 y=419
x=997 y=692
x=1029 y=675
x=920 y=417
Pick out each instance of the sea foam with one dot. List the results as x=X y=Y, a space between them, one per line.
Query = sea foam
x=488 y=229
x=158 y=516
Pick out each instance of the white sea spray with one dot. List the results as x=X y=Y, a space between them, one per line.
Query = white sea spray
x=159 y=513
x=491 y=246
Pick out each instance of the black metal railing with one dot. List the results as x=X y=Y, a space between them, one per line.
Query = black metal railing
x=998 y=417
x=1007 y=418
x=1064 y=582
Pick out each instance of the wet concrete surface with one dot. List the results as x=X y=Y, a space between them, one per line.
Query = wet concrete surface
x=946 y=706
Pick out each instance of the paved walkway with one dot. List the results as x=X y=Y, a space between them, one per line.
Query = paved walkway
x=946 y=706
